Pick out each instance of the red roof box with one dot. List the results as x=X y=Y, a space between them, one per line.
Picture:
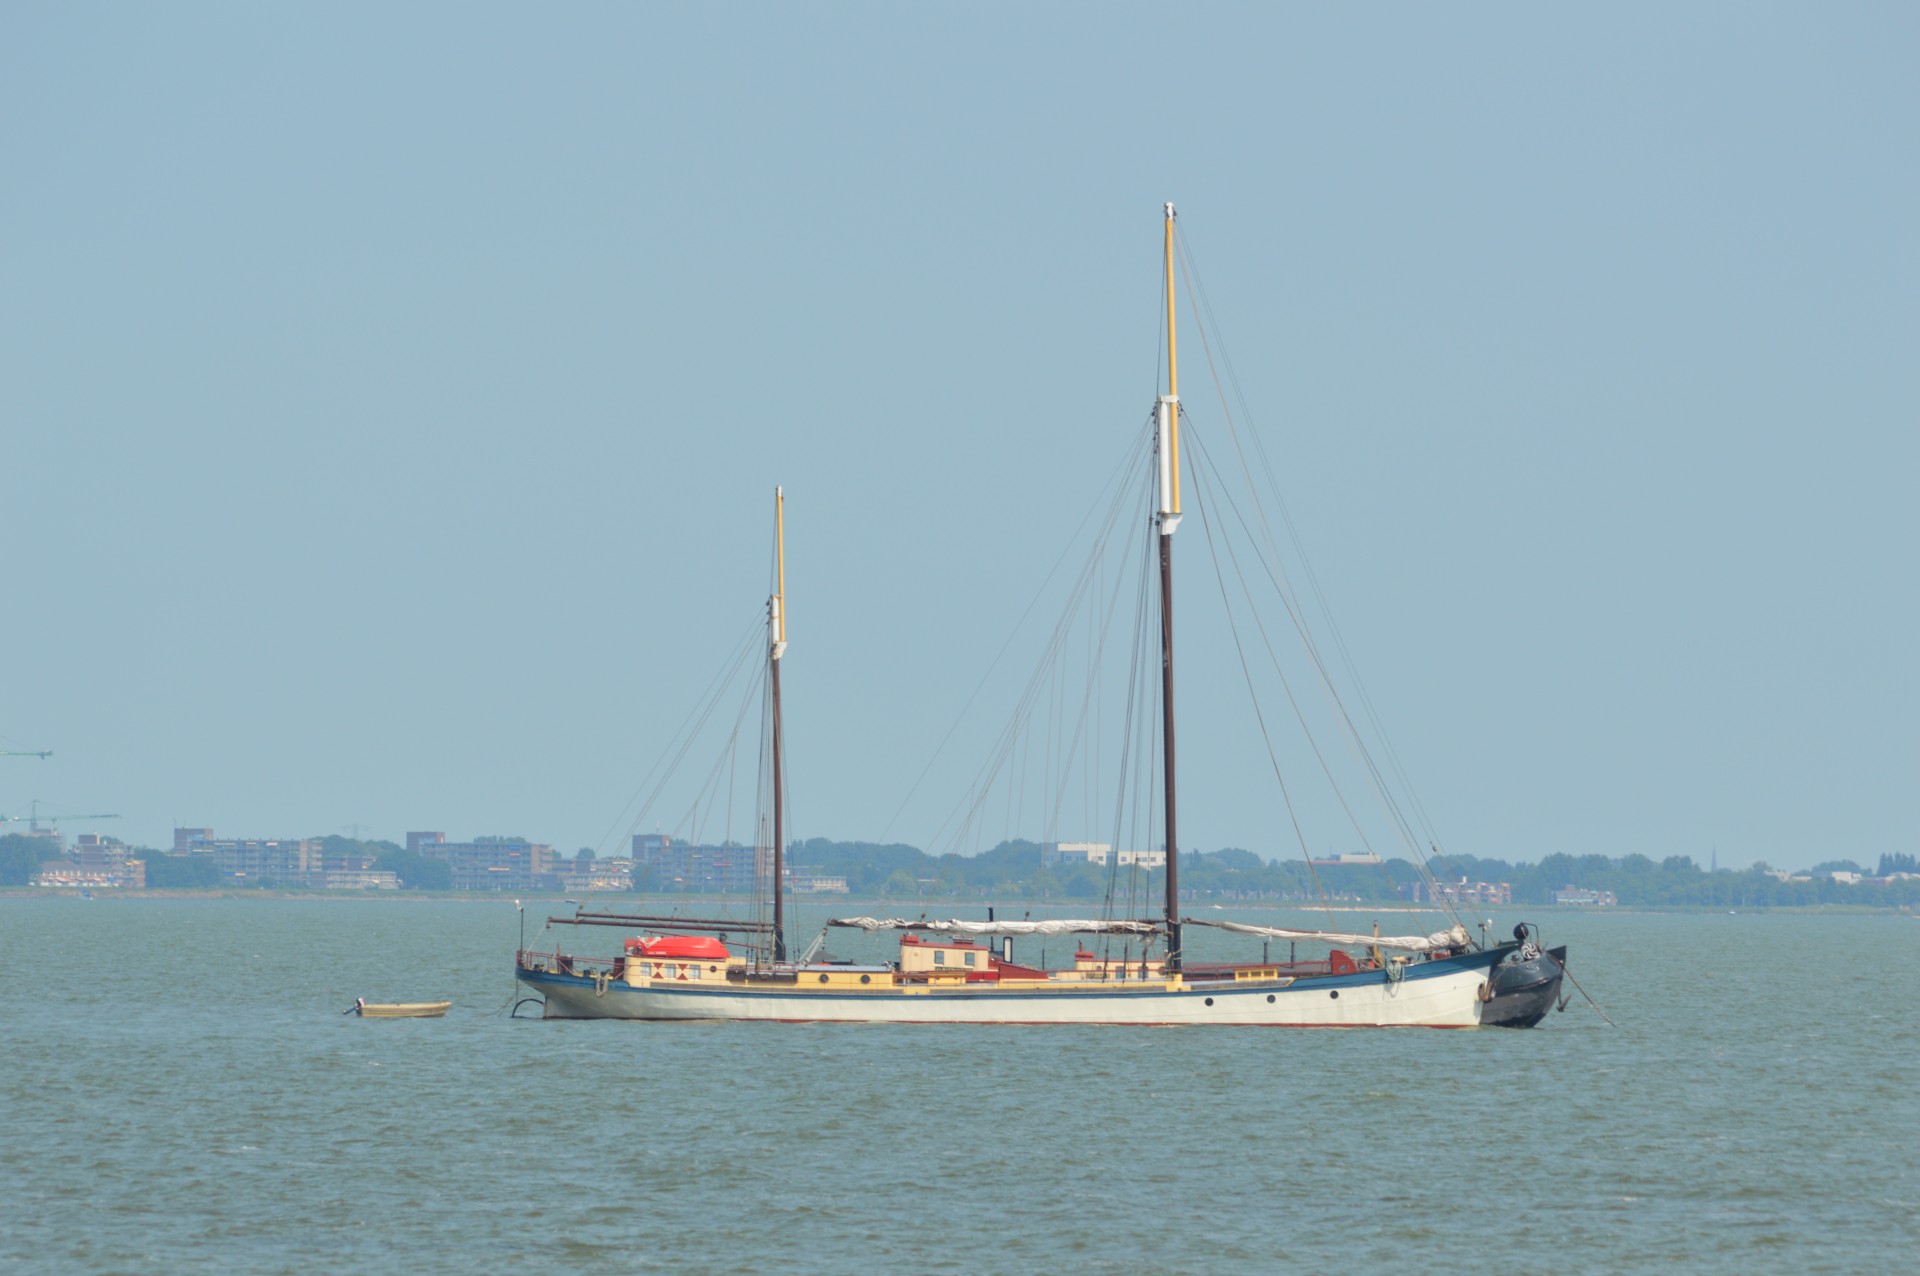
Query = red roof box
x=684 y=947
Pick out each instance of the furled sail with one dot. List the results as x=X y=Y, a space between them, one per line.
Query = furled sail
x=1062 y=927
x=1454 y=938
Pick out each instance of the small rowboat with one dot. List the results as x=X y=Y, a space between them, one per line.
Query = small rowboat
x=399 y=1009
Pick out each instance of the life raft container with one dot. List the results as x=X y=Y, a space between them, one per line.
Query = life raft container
x=678 y=947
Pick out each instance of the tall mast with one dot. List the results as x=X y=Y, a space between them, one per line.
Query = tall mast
x=776 y=648
x=1167 y=448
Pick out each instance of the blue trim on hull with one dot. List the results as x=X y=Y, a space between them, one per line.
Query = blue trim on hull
x=1361 y=979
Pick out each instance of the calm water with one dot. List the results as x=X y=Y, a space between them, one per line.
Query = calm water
x=181 y=1093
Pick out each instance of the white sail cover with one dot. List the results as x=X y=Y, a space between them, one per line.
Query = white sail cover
x=998 y=928
x=1455 y=938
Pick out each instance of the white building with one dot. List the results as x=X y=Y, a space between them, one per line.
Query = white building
x=1076 y=853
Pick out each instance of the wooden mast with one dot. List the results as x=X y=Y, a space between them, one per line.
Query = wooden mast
x=776 y=648
x=1167 y=445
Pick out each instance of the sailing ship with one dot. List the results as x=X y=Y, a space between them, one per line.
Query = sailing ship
x=964 y=971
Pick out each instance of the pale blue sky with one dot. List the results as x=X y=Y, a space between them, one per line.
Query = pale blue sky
x=392 y=396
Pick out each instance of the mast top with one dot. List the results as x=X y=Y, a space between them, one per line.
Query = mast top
x=1167 y=443
x=777 y=605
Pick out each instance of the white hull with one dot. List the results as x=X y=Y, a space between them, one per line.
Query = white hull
x=1442 y=994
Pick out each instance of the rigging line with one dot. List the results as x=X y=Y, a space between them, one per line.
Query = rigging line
x=766 y=794
x=1206 y=524
x=709 y=791
x=660 y=789
x=1038 y=680
x=1018 y=730
x=1143 y=746
x=1396 y=817
x=1136 y=677
x=1205 y=305
x=995 y=663
x=727 y=672
x=1272 y=560
x=1089 y=700
x=1017 y=781
x=1142 y=741
x=1149 y=792
x=1050 y=655
x=1347 y=661
x=1090 y=774
x=786 y=885
x=1122 y=786
x=733 y=768
x=1273 y=656
x=762 y=819
x=1060 y=754
x=1297 y=614
x=691 y=820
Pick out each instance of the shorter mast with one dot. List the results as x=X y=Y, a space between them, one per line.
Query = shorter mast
x=776 y=648
x=1167 y=450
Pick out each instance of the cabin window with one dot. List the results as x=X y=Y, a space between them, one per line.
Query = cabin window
x=969 y=957
x=693 y=971
x=939 y=959
x=646 y=968
x=669 y=969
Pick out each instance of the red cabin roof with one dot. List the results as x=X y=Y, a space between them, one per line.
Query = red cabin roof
x=684 y=947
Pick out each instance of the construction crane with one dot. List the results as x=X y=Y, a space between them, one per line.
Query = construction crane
x=33 y=819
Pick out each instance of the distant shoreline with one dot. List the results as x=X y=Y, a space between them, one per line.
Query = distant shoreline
x=920 y=906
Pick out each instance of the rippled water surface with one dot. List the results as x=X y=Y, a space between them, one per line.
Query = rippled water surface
x=182 y=1093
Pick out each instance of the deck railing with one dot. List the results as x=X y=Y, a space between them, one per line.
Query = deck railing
x=547 y=960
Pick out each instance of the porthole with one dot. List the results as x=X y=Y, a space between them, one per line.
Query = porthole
x=866 y=979
x=823 y=979
x=1335 y=994
x=1269 y=999
x=1209 y=1001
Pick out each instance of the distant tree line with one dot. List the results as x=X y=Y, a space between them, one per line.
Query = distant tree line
x=1677 y=880
x=20 y=858
x=180 y=872
x=1014 y=869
